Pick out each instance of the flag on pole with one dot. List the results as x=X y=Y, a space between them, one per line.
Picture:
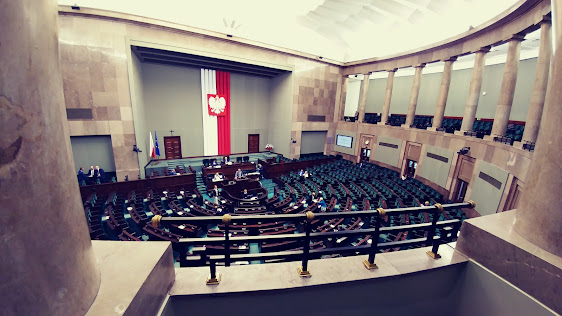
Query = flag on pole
x=152 y=149
x=156 y=148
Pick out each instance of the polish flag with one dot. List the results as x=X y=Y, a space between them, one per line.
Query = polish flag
x=152 y=148
x=215 y=97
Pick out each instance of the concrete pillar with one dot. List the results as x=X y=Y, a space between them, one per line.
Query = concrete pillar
x=474 y=90
x=507 y=91
x=538 y=218
x=538 y=95
x=342 y=99
x=414 y=96
x=443 y=94
x=387 y=96
x=363 y=97
x=47 y=263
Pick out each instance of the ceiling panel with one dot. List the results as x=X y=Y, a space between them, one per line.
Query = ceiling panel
x=166 y=57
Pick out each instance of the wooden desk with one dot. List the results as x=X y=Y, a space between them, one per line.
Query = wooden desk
x=273 y=170
x=228 y=170
x=225 y=182
x=185 y=181
x=233 y=191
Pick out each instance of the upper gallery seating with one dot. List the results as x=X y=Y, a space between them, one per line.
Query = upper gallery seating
x=422 y=121
x=515 y=130
x=372 y=118
x=480 y=128
x=396 y=119
x=513 y=133
x=451 y=124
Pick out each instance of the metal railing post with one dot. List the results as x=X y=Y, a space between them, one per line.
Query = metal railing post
x=213 y=280
x=226 y=221
x=303 y=270
x=183 y=254
x=370 y=262
x=432 y=231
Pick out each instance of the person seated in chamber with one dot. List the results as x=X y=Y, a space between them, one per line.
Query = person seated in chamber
x=218 y=177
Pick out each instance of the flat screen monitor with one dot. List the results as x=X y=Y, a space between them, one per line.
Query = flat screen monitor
x=344 y=141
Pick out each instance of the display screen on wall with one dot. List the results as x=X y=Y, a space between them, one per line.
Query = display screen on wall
x=344 y=141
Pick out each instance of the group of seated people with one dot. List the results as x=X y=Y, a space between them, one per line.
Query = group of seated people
x=303 y=173
x=238 y=175
x=94 y=176
x=224 y=160
x=176 y=171
x=312 y=198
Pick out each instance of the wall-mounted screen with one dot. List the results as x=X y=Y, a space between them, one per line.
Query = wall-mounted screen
x=344 y=141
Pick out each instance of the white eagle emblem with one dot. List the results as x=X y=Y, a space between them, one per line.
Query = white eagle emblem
x=217 y=104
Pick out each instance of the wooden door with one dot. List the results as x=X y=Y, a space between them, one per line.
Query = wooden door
x=411 y=157
x=514 y=195
x=463 y=172
x=173 y=147
x=253 y=143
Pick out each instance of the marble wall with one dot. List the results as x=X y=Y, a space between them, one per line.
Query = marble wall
x=512 y=160
x=95 y=76
x=95 y=58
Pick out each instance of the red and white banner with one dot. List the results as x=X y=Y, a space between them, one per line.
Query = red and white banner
x=215 y=86
x=217 y=104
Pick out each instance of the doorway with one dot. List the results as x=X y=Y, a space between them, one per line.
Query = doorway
x=253 y=143
x=365 y=154
x=173 y=147
x=461 y=177
x=514 y=195
x=460 y=191
x=411 y=167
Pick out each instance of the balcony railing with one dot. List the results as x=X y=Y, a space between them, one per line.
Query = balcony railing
x=449 y=232
x=530 y=146
x=503 y=139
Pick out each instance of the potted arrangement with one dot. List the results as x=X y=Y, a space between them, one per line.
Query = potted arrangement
x=269 y=147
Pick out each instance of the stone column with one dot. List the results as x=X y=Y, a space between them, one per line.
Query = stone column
x=342 y=98
x=507 y=91
x=474 y=90
x=414 y=96
x=363 y=97
x=48 y=265
x=443 y=94
x=538 y=218
x=538 y=95
x=387 y=96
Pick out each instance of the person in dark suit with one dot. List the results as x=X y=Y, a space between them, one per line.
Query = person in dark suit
x=246 y=195
x=99 y=174
x=178 y=170
x=259 y=169
x=81 y=176
x=216 y=194
x=311 y=198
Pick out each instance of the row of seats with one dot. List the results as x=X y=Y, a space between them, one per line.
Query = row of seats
x=214 y=161
x=345 y=187
x=450 y=125
x=372 y=118
x=480 y=127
